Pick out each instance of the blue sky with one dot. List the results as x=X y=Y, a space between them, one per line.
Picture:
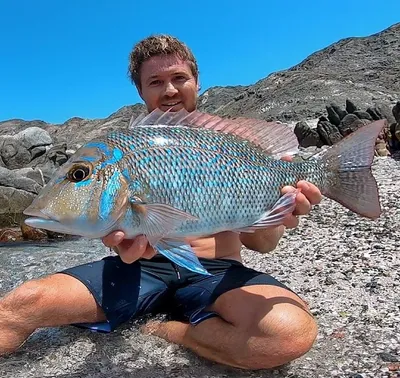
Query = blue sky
x=61 y=59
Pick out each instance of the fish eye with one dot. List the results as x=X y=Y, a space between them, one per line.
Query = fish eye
x=78 y=173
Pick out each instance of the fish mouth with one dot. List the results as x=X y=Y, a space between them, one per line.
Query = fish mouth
x=78 y=227
x=35 y=213
x=49 y=225
x=38 y=219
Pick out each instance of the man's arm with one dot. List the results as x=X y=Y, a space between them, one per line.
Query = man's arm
x=266 y=240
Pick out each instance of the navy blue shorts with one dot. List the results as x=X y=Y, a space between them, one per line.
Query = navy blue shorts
x=158 y=286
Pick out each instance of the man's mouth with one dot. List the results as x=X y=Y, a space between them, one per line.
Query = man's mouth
x=171 y=104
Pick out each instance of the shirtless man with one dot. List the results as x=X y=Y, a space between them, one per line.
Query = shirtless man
x=238 y=317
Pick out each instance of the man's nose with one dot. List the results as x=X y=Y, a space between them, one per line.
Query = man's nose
x=170 y=90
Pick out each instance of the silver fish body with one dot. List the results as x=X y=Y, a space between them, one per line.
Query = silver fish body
x=171 y=181
x=225 y=182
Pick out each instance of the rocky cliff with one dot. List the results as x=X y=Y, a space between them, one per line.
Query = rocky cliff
x=365 y=70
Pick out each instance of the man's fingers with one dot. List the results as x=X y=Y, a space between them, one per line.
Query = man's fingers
x=287 y=158
x=312 y=193
x=150 y=253
x=130 y=250
x=303 y=206
x=113 y=239
x=291 y=222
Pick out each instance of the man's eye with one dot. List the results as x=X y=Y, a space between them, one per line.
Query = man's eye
x=155 y=82
x=180 y=78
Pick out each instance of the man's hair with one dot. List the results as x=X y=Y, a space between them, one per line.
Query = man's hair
x=159 y=45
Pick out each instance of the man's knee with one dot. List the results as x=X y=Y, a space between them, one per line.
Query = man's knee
x=297 y=334
x=19 y=304
x=292 y=334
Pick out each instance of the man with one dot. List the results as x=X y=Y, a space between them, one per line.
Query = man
x=237 y=317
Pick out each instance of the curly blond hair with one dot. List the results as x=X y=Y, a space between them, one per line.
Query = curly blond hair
x=159 y=45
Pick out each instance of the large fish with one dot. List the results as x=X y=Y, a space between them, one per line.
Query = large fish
x=175 y=175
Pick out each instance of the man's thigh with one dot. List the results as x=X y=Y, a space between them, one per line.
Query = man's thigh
x=123 y=291
x=54 y=300
x=232 y=292
x=261 y=307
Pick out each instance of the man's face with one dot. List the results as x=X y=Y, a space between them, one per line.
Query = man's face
x=167 y=83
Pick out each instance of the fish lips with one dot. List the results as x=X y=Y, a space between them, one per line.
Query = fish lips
x=50 y=225
x=38 y=219
x=79 y=227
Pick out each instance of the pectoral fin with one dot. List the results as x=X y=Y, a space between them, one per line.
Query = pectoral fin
x=181 y=254
x=159 y=220
x=276 y=216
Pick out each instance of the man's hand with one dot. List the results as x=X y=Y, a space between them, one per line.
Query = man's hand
x=309 y=195
x=129 y=250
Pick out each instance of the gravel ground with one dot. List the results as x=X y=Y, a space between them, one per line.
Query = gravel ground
x=345 y=267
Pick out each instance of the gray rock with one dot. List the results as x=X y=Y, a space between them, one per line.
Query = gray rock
x=328 y=133
x=333 y=117
x=374 y=113
x=51 y=160
x=307 y=136
x=13 y=154
x=349 y=124
x=386 y=112
x=389 y=357
x=338 y=110
x=33 y=137
x=15 y=150
x=396 y=112
x=14 y=201
x=33 y=174
x=350 y=106
x=58 y=154
x=19 y=180
x=363 y=115
x=38 y=151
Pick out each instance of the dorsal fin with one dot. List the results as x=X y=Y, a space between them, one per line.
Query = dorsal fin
x=276 y=139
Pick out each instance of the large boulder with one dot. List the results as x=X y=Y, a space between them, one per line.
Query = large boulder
x=18 y=188
x=33 y=137
x=26 y=179
x=396 y=112
x=306 y=135
x=12 y=203
x=49 y=162
x=13 y=154
x=349 y=124
x=328 y=133
x=17 y=151
x=350 y=106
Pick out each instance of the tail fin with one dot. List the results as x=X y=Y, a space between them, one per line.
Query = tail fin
x=351 y=182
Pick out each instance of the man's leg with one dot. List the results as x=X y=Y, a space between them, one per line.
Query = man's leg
x=55 y=300
x=258 y=327
x=89 y=293
x=258 y=322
